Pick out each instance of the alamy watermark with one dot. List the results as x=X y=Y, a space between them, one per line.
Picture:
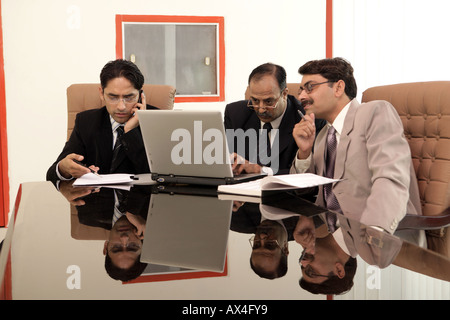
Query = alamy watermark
x=208 y=146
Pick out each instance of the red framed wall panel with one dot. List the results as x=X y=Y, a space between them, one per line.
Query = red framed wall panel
x=120 y=19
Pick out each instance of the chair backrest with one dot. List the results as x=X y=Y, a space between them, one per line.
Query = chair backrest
x=424 y=108
x=85 y=96
x=293 y=90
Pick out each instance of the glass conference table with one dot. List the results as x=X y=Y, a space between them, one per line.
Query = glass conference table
x=188 y=243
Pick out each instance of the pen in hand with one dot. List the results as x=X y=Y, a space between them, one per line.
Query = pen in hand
x=302 y=115
x=82 y=164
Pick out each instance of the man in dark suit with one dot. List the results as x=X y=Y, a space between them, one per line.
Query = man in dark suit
x=269 y=103
x=96 y=131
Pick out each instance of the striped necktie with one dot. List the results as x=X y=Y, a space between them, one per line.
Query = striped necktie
x=117 y=148
x=330 y=160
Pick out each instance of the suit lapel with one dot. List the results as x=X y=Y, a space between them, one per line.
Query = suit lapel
x=286 y=126
x=344 y=141
x=104 y=143
x=319 y=151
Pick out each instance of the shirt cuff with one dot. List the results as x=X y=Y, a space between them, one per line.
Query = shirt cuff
x=302 y=166
x=267 y=170
x=60 y=177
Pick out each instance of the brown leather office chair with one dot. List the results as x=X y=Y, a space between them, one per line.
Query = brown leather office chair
x=424 y=108
x=85 y=96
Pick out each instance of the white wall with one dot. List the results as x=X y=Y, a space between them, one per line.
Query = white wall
x=393 y=41
x=46 y=50
x=387 y=42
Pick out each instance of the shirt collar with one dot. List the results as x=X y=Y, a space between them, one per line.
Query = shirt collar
x=338 y=123
x=276 y=123
x=114 y=124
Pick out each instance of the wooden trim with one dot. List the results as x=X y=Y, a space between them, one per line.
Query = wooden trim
x=120 y=19
x=329 y=29
x=4 y=178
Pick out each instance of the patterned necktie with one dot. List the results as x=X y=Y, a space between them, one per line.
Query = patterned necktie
x=120 y=205
x=330 y=198
x=117 y=148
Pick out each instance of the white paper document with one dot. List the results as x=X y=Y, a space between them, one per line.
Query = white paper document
x=90 y=179
x=280 y=182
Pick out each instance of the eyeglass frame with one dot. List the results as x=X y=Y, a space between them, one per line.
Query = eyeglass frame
x=134 y=98
x=309 y=87
x=251 y=106
x=252 y=239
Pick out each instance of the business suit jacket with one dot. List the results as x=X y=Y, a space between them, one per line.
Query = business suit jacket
x=374 y=247
x=378 y=184
x=98 y=209
x=239 y=116
x=248 y=217
x=92 y=137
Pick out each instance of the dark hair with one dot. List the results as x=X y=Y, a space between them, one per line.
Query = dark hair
x=333 y=285
x=279 y=272
x=333 y=69
x=121 y=68
x=131 y=273
x=272 y=69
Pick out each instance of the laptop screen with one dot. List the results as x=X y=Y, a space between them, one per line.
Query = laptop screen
x=185 y=143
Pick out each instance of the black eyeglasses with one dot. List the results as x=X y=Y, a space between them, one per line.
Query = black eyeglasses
x=309 y=87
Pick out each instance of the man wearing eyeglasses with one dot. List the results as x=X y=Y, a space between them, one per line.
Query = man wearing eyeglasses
x=372 y=157
x=90 y=146
x=269 y=103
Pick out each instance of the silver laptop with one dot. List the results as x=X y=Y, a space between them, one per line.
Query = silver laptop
x=187 y=231
x=188 y=147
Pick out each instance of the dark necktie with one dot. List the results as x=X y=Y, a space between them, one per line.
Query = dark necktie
x=330 y=159
x=120 y=205
x=267 y=127
x=117 y=148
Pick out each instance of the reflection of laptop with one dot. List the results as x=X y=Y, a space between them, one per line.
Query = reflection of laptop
x=188 y=147
x=187 y=231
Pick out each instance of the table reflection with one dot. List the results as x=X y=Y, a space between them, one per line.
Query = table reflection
x=187 y=231
x=156 y=233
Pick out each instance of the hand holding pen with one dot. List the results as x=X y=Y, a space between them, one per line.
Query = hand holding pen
x=90 y=168
x=72 y=167
x=304 y=134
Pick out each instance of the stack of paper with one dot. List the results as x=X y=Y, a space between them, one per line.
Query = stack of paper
x=280 y=182
x=90 y=179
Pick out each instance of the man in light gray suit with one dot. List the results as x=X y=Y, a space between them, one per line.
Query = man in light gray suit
x=378 y=185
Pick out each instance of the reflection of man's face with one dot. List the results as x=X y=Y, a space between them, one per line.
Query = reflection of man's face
x=270 y=244
x=123 y=246
x=313 y=270
x=319 y=267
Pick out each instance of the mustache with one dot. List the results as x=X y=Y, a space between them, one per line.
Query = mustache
x=305 y=102
x=264 y=114
x=308 y=257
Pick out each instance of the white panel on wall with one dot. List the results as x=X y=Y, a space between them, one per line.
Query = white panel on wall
x=392 y=41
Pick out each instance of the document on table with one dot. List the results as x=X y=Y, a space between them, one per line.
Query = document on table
x=90 y=179
x=280 y=182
